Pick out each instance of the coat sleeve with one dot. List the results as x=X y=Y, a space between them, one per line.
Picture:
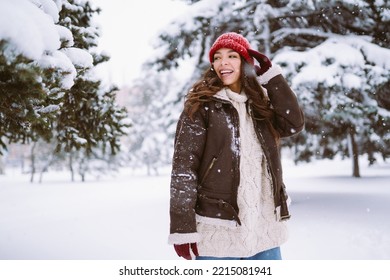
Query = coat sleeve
x=188 y=150
x=289 y=119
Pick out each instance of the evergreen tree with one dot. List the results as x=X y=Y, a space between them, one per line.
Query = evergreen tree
x=90 y=123
x=336 y=82
x=32 y=76
x=48 y=91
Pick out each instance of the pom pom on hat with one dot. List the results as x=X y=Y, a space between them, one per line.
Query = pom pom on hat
x=234 y=41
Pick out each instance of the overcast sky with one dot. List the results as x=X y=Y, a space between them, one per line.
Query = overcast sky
x=127 y=29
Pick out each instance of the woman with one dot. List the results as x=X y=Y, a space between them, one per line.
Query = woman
x=228 y=200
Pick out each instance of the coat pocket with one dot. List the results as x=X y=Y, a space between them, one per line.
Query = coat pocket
x=209 y=168
x=216 y=206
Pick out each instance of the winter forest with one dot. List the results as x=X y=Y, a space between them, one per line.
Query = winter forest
x=57 y=116
x=55 y=113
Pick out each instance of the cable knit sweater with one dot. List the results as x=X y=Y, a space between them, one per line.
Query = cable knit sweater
x=260 y=229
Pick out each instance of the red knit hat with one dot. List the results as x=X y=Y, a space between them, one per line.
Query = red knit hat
x=234 y=41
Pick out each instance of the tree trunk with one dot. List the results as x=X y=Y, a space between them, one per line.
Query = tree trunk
x=46 y=167
x=354 y=153
x=71 y=166
x=82 y=169
x=2 y=166
x=33 y=162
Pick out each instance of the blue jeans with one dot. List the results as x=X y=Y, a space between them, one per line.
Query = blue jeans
x=271 y=254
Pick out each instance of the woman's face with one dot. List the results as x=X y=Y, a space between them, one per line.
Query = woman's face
x=227 y=65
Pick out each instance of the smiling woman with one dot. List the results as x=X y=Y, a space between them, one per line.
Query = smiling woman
x=122 y=22
x=228 y=199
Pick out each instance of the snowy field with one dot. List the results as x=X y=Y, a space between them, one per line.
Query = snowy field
x=335 y=216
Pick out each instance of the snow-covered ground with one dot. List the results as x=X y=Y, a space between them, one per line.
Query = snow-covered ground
x=335 y=216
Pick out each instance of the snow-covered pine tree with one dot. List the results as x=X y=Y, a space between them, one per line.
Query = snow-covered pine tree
x=90 y=123
x=336 y=83
x=47 y=87
x=33 y=70
x=274 y=27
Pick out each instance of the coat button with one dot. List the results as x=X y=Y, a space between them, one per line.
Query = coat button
x=218 y=105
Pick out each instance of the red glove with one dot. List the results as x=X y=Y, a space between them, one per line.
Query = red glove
x=183 y=250
x=264 y=62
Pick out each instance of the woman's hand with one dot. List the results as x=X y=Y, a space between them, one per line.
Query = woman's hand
x=183 y=250
x=264 y=62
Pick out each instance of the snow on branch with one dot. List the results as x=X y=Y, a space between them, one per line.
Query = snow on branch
x=29 y=28
x=282 y=33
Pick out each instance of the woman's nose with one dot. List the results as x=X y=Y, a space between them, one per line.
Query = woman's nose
x=223 y=61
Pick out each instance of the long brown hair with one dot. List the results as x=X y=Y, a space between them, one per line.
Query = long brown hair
x=210 y=84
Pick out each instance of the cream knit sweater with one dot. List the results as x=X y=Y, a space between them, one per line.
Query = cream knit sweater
x=260 y=229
